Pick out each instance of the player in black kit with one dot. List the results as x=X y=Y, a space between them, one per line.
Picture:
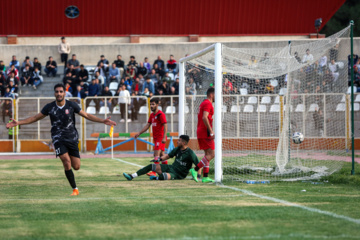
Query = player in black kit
x=63 y=132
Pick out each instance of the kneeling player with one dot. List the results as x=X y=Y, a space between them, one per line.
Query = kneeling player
x=184 y=158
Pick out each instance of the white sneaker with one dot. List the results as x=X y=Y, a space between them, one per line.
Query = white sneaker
x=129 y=120
x=122 y=120
x=34 y=86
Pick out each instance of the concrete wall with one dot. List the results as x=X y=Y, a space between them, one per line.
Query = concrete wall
x=90 y=54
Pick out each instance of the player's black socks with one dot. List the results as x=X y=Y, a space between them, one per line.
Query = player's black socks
x=197 y=168
x=206 y=174
x=144 y=170
x=71 y=178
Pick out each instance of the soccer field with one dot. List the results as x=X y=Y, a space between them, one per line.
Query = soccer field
x=35 y=204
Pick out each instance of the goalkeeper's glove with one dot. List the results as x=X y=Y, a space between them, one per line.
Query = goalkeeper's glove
x=156 y=160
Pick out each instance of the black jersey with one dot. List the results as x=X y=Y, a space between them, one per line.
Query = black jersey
x=62 y=121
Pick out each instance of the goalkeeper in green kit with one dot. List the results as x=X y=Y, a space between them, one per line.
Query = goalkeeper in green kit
x=184 y=159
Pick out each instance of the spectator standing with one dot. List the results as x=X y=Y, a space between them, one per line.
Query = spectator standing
x=319 y=121
x=114 y=74
x=135 y=106
x=37 y=78
x=51 y=67
x=124 y=99
x=147 y=64
x=120 y=64
x=26 y=76
x=334 y=52
x=160 y=63
x=73 y=61
x=64 y=50
x=14 y=62
x=149 y=85
x=6 y=109
x=83 y=74
x=308 y=57
x=37 y=64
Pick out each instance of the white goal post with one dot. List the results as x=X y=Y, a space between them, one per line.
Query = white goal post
x=217 y=49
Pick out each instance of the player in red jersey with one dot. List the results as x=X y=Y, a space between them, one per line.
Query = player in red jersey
x=159 y=128
x=205 y=136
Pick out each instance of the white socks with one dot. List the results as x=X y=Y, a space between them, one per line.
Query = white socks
x=134 y=175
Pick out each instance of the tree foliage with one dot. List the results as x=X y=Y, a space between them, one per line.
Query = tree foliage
x=341 y=19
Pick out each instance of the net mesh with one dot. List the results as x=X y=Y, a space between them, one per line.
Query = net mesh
x=270 y=93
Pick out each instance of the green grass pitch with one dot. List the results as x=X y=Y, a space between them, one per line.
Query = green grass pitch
x=35 y=204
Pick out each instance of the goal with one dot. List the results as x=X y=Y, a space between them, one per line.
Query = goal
x=262 y=96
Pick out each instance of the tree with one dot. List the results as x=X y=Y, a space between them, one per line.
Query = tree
x=341 y=19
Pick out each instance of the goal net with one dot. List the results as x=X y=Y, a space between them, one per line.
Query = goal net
x=262 y=96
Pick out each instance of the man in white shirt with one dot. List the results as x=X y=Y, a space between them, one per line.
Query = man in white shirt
x=308 y=57
x=334 y=69
x=124 y=98
x=64 y=50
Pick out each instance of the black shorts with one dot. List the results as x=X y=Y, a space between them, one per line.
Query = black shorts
x=67 y=147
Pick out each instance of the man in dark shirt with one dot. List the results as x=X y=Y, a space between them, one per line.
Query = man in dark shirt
x=104 y=61
x=63 y=131
x=184 y=159
x=160 y=63
x=51 y=67
x=106 y=93
x=120 y=64
x=141 y=70
x=83 y=74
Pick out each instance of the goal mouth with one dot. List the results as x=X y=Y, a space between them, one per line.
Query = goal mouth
x=267 y=94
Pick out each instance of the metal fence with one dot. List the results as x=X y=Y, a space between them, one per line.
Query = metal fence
x=261 y=119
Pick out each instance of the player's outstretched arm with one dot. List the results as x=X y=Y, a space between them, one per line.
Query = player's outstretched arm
x=28 y=120
x=143 y=130
x=93 y=118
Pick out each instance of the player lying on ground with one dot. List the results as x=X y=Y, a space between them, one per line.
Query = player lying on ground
x=184 y=158
x=159 y=128
x=63 y=132
x=205 y=136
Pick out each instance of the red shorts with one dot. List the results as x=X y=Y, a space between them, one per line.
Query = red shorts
x=159 y=145
x=206 y=143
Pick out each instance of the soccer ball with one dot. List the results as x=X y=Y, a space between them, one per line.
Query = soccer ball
x=298 y=138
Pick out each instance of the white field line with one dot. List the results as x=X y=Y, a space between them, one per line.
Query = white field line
x=315 y=210
x=270 y=236
x=134 y=164
x=120 y=198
